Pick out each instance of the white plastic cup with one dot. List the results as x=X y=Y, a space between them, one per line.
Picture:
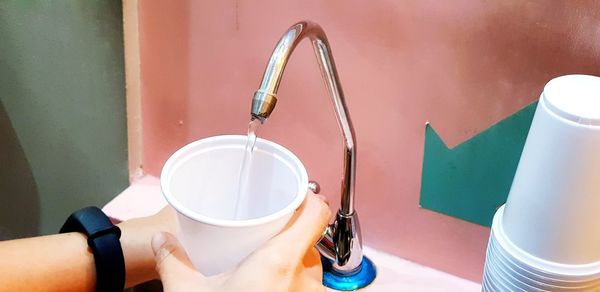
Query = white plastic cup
x=522 y=270
x=542 y=269
x=507 y=265
x=553 y=208
x=528 y=280
x=200 y=181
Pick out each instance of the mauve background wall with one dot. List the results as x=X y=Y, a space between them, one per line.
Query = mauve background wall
x=463 y=65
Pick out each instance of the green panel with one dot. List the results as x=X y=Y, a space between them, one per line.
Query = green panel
x=62 y=86
x=471 y=180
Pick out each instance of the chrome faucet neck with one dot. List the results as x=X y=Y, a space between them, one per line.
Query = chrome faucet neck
x=265 y=97
x=341 y=243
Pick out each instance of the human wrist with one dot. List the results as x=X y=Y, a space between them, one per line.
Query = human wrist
x=136 y=237
x=139 y=258
x=103 y=239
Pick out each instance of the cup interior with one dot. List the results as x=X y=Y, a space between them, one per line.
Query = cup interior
x=201 y=181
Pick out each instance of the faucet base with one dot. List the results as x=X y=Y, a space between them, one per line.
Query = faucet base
x=362 y=277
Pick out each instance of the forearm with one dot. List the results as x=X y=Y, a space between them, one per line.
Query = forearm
x=64 y=262
x=61 y=262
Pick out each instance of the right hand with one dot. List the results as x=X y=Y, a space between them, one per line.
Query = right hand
x=287 y=262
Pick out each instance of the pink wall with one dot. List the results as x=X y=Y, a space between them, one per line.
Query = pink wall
x=463 y=65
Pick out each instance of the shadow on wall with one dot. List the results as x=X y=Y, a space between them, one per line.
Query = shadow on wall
x=18 y=191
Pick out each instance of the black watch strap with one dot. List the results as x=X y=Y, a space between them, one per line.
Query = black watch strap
x=103 y=239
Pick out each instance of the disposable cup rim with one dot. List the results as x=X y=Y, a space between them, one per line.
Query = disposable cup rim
x=496 y=263
x=502 y=276
x=501 y=257
x=564 y=270
x=499 y=280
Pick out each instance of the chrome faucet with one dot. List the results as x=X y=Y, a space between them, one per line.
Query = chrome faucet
x=345 y=267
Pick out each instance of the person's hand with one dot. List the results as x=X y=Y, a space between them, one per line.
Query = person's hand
x=287 y=262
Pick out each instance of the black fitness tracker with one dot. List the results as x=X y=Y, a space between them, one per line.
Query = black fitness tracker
x=103 y=239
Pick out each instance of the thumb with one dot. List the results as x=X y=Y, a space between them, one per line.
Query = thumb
x=172 y=263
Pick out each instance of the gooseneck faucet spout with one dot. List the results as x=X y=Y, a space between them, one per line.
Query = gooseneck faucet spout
x=341 y=243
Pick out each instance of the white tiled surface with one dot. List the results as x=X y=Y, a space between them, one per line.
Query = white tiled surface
x=396 y=274
x=143 y=198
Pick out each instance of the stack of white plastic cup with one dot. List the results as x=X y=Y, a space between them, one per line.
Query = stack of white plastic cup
x=547 y=236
